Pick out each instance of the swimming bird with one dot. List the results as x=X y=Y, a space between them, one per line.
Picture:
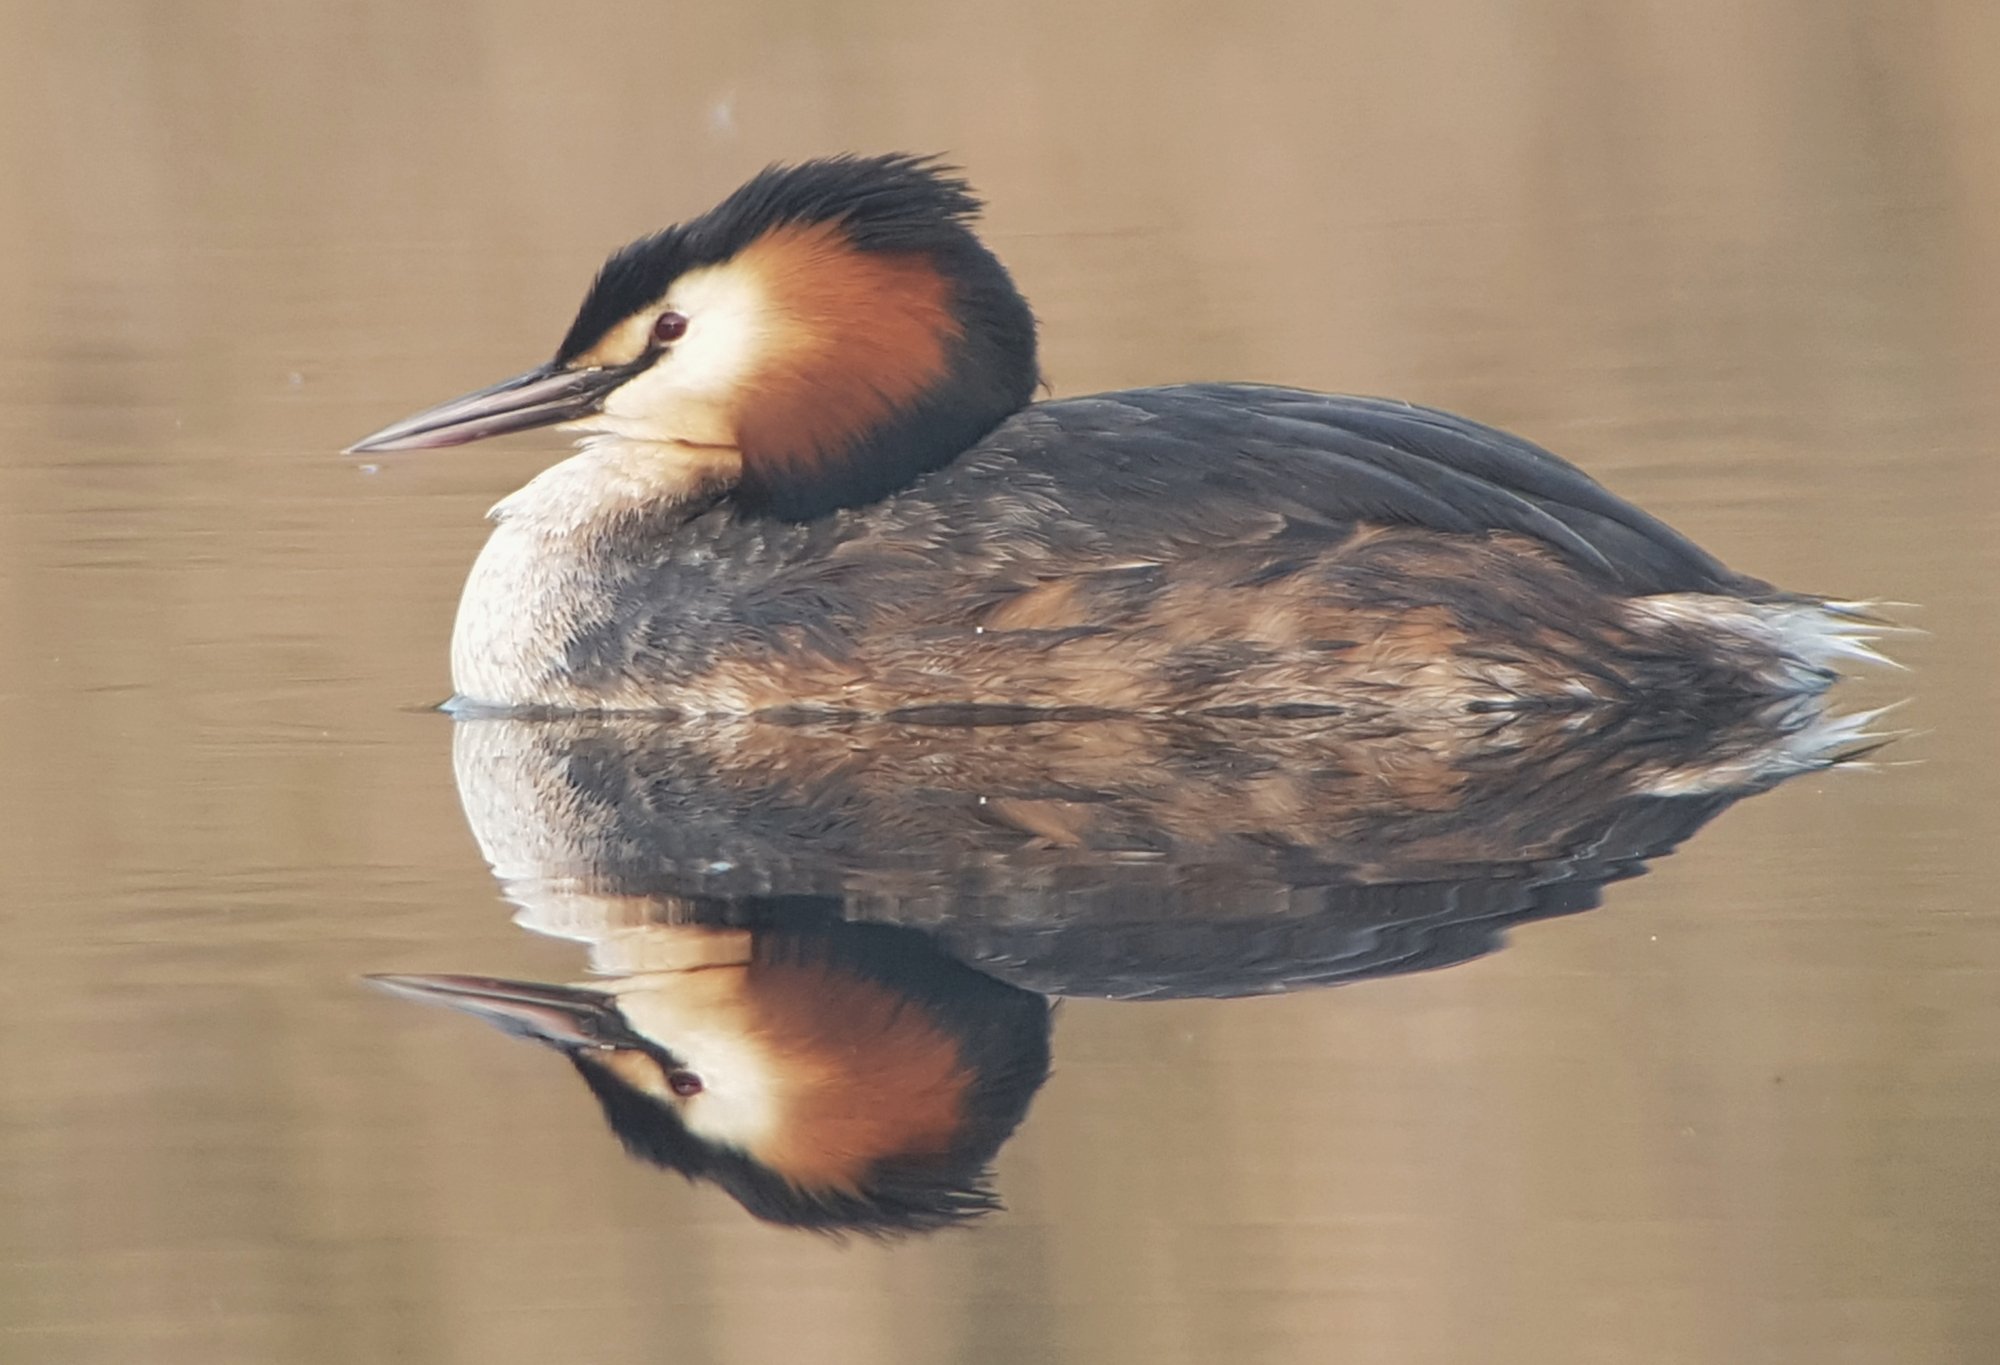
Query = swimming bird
x=812 y=477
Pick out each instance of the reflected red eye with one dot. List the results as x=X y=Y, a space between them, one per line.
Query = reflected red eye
x=669 y=327
x=684 y=1083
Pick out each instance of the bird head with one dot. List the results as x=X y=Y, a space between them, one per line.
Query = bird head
x=827 y=333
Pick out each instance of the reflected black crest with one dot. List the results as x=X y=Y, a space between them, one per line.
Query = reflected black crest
x=897 y=202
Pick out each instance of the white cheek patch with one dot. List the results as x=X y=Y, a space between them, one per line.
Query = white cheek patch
x=729 y=328
x=739 y=1104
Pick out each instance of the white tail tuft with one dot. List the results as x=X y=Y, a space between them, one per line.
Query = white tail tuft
x=1806 y=638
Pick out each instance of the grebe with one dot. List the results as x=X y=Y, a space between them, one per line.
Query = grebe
x=812 y=479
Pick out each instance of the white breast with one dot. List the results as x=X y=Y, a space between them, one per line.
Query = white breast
x=541 y=580
x=522 y=604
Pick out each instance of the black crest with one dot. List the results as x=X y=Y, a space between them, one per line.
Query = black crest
x=897 y=202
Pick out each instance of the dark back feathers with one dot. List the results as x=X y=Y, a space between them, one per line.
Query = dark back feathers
x=1327 y=458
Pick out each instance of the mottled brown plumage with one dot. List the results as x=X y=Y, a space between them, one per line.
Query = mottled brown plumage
x=1212 y=818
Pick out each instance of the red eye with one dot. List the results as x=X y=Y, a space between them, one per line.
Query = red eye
x=669 y=327
x=683 y=1083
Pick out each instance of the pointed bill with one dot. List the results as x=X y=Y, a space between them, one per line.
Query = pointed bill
x=539 y=398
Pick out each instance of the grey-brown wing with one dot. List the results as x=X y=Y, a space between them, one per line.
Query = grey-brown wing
x=1205 y=455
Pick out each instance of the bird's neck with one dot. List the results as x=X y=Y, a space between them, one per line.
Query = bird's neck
x=547 y=572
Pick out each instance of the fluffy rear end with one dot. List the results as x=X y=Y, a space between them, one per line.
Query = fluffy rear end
x=1781 y=645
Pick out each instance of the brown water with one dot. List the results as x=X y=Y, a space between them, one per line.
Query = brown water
x=1740 y=260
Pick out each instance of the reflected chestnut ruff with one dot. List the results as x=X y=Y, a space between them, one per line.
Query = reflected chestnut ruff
x=823 y=987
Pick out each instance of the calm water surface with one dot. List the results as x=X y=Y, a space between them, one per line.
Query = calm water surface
x=1739 y=260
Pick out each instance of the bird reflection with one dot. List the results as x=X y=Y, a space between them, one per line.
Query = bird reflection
x=824 y=955
x=827 y=1076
